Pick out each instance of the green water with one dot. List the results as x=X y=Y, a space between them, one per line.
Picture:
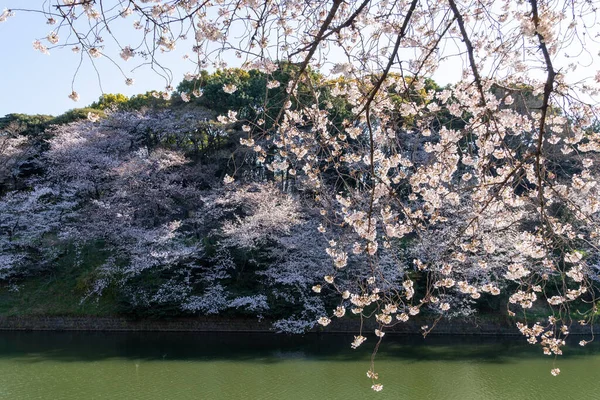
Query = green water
x=46 y=365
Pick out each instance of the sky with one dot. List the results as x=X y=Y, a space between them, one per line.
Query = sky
x=35 y=83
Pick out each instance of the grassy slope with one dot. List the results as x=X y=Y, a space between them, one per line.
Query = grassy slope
x=58 y=292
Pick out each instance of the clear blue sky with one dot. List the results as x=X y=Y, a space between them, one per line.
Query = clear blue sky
x=35 y=83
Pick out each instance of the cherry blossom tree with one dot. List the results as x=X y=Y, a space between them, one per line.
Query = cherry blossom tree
x=132 y=200
x=146 y=212
x=489 y=167
x=32 y=225
x=21 y=143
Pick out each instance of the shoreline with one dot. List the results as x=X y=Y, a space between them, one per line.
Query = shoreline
x=251 y=325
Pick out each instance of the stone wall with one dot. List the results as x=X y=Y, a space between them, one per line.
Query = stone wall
x=219 y=324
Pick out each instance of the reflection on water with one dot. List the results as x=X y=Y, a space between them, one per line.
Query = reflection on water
x=76 y=365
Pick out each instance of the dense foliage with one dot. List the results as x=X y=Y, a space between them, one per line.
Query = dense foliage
x=140 y=195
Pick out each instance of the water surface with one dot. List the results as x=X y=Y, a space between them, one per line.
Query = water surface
x=76 y=365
